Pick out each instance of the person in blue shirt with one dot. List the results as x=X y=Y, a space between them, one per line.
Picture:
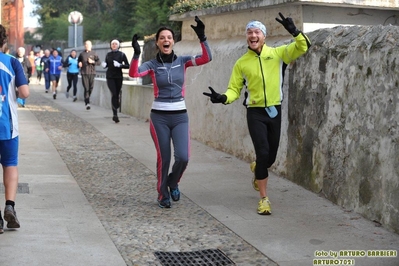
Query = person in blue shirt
x=13 y=84
x=71 y=62
x=55 y=67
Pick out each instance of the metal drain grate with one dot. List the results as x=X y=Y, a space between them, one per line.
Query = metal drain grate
x=208 y=257
x=23 y=188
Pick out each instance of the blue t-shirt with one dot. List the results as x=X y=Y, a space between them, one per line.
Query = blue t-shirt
x=11 y=77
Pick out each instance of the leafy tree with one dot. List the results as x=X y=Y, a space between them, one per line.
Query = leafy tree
x=28 y=38
x=123 y=18
x=151 y=15
x=53 y=18
x=55 y=28
x=107 y=19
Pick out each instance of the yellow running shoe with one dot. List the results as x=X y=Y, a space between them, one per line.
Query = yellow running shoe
x=254 y=181
x=264 y=207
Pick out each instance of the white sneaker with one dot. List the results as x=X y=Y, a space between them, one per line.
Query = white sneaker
x=87 y=106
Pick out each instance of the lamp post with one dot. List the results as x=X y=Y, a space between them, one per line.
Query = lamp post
x=75 y=18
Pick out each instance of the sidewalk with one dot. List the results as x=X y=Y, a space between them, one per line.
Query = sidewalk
x=58 y=225
x=62 y=225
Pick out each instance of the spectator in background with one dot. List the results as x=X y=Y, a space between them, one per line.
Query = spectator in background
x=114 y=62
x=71 y=62
x=55 y=64
x=31 y=58
x=39 y=66
x=59 y=52
x=27 y=68
x=45 y=61
x=87 y=62
x=12 y=81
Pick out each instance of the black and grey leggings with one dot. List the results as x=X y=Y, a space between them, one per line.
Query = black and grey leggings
x=265 y=135
x=166 y=126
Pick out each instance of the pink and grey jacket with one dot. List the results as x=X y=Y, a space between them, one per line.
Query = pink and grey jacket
x=169 y=77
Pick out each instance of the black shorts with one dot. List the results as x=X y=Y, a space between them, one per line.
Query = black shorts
x=55 y=77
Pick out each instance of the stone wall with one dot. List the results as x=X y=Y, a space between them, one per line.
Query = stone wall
x=343 y=133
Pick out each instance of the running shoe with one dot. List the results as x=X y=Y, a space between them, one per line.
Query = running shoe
x=254 y=181
x=264 y=207
x=11 y=217
x=75 y=98
x=54 y=96
x=175 y=193
x=115 y=119
x=165 y=203
x=87 y=106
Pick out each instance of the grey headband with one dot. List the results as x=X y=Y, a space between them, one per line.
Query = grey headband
x=256 y=24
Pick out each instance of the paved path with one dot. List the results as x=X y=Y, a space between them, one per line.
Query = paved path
x=92 y=201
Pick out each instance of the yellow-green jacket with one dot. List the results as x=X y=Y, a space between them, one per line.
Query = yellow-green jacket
x=263 y=74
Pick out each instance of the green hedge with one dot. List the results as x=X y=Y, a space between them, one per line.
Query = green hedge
x=182 y=6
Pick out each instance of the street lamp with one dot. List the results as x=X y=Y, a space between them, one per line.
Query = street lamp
x=75 y=18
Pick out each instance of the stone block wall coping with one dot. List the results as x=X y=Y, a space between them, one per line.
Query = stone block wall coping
x=263 y=4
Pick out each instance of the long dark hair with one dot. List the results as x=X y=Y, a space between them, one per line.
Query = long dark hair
x=164 y=28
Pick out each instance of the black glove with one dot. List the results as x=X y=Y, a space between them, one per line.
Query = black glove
x=199 y=29
x=215 y=97
x=288 y=25
x=136 y=45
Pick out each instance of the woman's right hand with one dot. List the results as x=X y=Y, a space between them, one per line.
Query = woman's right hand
x=136 y=45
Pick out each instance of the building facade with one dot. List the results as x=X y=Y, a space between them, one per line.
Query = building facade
x=12 y=18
